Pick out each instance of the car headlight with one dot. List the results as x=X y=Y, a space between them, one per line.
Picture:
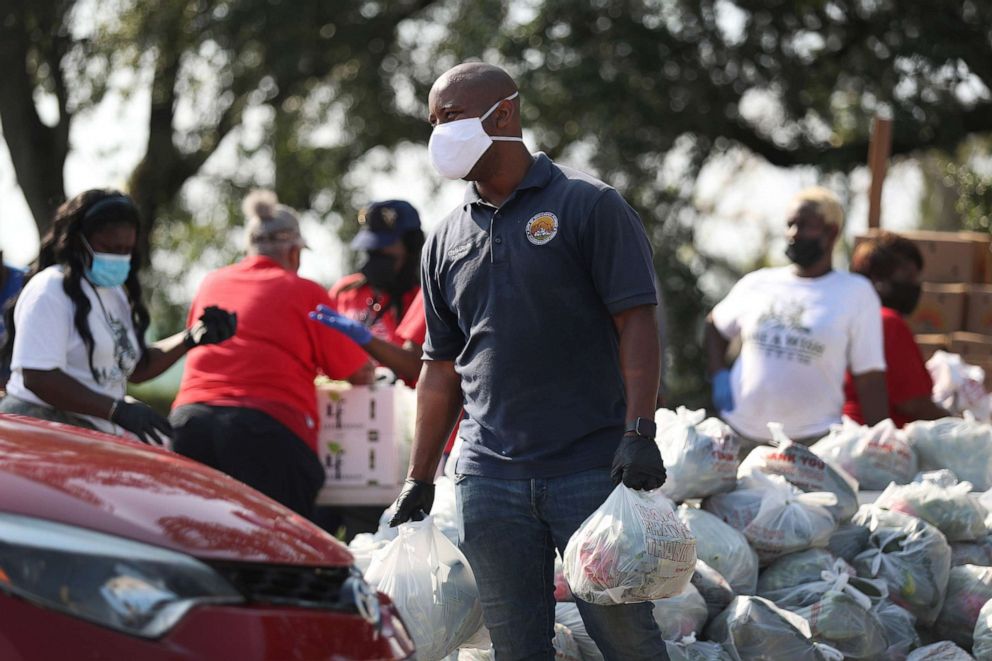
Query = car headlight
x=133 y=587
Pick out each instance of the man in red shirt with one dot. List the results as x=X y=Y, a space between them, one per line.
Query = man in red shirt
x=893 y=264
x=248 y=407
x=381 y=292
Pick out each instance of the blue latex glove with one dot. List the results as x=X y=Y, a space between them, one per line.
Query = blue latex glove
x=723 y=396
x=346 y=325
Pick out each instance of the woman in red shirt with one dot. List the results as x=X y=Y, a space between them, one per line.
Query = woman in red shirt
x=893 y=264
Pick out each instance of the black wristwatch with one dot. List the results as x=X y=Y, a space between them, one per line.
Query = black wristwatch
x=643 y=427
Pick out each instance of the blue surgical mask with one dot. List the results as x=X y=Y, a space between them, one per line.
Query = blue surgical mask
x=108 y=269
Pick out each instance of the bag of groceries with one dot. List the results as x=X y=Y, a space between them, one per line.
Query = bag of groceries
x=562 y=591
x=978 y=552
x=700 y=454
x=963 y=446
x=982 y=635
x=633 y=548
x=842 y=616
x=723 y=548
x=900 y=630
x=953 y=510
x=968 y=589
x=910 y=555
x=942 y=651
x=848 y=541
x=958 y=386
x=690 y=649
x=755 y=628
x=681 y=615
x=783 y=581
x=433 y=587
x=803 y=470
x=713 y=588
x=776 y=517
x=874 y=456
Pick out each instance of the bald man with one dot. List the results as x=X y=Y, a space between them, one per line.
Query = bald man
x=540 y=304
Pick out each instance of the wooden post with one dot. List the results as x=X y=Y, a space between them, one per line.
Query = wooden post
x=879 y=148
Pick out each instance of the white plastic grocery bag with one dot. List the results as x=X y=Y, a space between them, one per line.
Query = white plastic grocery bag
x=433 y=587
x=723 y=548
x=958 y=386
x=874 y=456
x=962 y=445
x=700 y=454
x=953 y=510
x=632 y=549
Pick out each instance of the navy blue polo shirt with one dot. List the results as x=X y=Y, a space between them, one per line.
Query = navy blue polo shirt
x=521 y=298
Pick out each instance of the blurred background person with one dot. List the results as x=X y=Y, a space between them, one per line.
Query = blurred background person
x=384 y=288
x=893 y=264
x=248 y=407
x=11 y=281
x=76 y=334
x=802 y=327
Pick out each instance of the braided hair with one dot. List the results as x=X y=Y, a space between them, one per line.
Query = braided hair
x=82 y=216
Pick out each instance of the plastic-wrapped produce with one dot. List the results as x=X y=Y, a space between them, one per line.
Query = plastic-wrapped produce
x=432 y=586
x=756 y=629
x=567 y=615
x=910 y=555
x=713 y=588
x=874 y=456
x=963 y=446
x=785 y=519
x=723 y=548
x=900 y=630
x=632 y=548
x=681 y=615
x=968 y=588
x=842 y=618
x=953 y=510
x=700 y=455
x=784 y=576
x=942 y=651
x=690 y=649
x=982 y=646
x=804 y=470
x=562 y=591
x=848 y=541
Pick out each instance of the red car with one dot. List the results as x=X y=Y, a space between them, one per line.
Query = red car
x=110 y=549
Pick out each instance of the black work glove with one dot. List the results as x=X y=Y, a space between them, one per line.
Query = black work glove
x=637 y=463
x=413 y=503
x=215 y=325
x=142 y=421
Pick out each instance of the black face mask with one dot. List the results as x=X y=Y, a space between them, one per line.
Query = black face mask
x=903 y=297
x=380 y=271
x=804 y=252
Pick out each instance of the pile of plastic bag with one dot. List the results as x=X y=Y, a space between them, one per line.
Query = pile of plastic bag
x=874 y=456
x=700 y=454
x=681 y=615
x=723 y=548
x=958 y=386
x=982 y=635
x=755 y=628
x=942 y=651
x=776 y=517
x=712 y=587
x=952 y=510
x=961 y=445
x=433 y=587
x=969 y=588
x=690 y=649
x=564 y=643
x=803 y=470
x=633 y=548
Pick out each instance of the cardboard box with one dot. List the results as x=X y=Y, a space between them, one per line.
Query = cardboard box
x=951 y=256
x=930 y=344
x=978 y=310
x=972 y=347
x=365 y=434
x=941 y=309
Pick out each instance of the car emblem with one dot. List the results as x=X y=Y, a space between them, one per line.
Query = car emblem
x=366 y=602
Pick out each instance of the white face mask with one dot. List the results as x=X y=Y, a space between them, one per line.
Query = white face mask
x=457 y=146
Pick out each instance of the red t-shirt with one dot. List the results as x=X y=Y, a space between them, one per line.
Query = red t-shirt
x=270 y=363
x=905 y=372
x=362 y=303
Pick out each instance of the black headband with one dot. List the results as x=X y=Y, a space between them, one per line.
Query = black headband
x=111 y=201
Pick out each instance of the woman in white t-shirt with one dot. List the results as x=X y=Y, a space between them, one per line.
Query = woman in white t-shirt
x=801 y=327
x=76 y=333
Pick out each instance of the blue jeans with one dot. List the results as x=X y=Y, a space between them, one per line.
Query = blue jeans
x=509 y=532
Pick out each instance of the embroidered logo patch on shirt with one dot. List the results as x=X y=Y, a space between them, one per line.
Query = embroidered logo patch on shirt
x=542 y=228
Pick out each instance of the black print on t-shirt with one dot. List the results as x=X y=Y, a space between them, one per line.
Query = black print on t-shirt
x=780 y=333
x=125 y=356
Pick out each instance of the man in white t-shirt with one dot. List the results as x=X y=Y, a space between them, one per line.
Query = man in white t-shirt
x=801 y=327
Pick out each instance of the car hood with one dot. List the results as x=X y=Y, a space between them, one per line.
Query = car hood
x=121 y=487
